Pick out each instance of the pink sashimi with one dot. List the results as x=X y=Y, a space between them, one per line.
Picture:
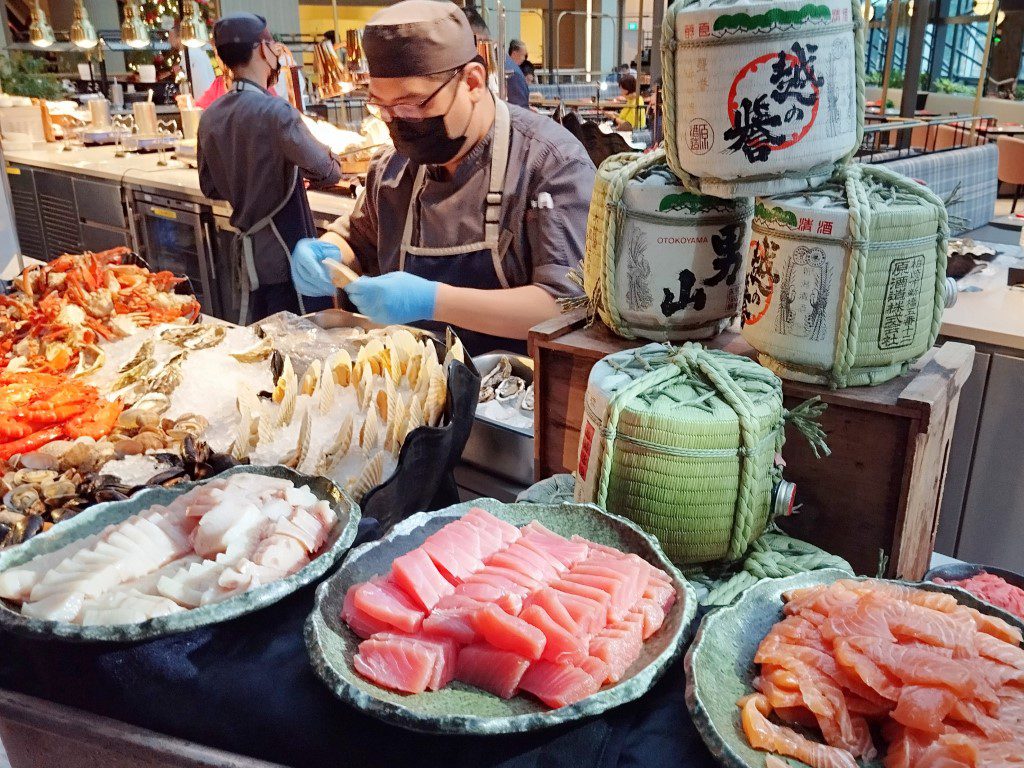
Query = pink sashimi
x=518 y=577
x=590 y=615
x=654 y=616
x=446 y=651
x=506 y=531
x=547 y=599
x=455 y=553
x=596 y=668
x=494 y=670
x=558 y=684
x=509 y=633
x=384 y=601
x=567 y=552
x=419 y=578
x=561 y=646
x=619 y=646
x=521 y=558
x=406 y=667
x=453 y=618
x=362 y=623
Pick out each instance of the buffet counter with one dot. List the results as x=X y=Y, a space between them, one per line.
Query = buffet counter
x=144 y=170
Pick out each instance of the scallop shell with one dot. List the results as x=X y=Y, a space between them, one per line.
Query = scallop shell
x=310 y=379
x=365 y=390
x=340 y=364
x=325 y=393
x=386 y=397
x=288 y=385
x=413 y=418
x=371 y=476
x=370 y=433
x=433 y=404
x=340 y=447
x=285 y=381
x=298 y=458
x=90 y=359
x=455 y=352
x=258 y=352
x=412 y=370
x=403 y=342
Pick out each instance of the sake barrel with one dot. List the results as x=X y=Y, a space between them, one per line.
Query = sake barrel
x=663 y=261
x=847 y=283
x=684 y=441
x=762 y=98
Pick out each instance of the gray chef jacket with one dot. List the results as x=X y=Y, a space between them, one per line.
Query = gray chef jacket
x=539 y=244
x=250 y=143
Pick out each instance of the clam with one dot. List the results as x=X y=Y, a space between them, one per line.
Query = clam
x=21 y=498
x=153 y=401
x=57 y=448
x=39 y=460
x=10 y=517
x=58 y=489
x=34 y=476
x=130 y=447
x=151 y=441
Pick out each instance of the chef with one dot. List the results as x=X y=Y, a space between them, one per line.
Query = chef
x=253 y=151
x=477 y=214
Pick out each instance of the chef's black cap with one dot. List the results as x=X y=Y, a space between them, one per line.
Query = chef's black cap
x=236 y=34
x=418 y=37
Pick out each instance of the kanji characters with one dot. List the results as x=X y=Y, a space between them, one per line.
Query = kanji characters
x=751 y=130
x=730 y=255
x=795 y=80
x=687 y=296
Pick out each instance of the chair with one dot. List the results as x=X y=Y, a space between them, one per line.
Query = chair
x=1011 y=165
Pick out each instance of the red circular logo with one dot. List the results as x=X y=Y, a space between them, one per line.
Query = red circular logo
x=755 y=77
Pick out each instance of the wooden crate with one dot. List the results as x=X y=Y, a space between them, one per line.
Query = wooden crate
x=877 y=495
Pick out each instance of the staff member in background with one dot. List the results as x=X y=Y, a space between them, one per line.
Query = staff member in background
x=478 y=213
x=633 y=116
x=253 y=151
x=516 y=89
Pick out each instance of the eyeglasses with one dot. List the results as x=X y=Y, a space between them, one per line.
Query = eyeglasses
x=388 y=112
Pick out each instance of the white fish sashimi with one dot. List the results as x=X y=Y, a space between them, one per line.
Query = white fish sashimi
x=16 y=583
x=230 y=521
x=64 y=607
x=130 y=607
x=147 y=584
x=186 y=587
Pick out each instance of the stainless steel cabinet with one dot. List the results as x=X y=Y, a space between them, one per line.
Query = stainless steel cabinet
x=26 y=210
x=101 y=213
x=56 y=194
x=992 y=528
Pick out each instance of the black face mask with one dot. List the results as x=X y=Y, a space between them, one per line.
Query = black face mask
x=426 y=142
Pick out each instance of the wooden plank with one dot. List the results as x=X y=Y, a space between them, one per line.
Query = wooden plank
x=40 y=734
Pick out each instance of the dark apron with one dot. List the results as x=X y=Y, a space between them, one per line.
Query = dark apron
x=289 y=221
x=474 y=265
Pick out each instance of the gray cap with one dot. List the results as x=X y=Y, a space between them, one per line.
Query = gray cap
x=418 y=37
x=239 y=29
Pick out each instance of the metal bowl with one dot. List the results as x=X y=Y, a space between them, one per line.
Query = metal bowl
x=98 y=517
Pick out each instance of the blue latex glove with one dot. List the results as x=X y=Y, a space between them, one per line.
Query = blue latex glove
x=309 y=275
x=395 y=298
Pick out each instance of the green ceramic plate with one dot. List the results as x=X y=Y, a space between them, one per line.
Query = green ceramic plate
x=101 y=515
x=460 y=708
x=720 y=662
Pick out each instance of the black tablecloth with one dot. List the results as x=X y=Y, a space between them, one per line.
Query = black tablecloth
x=246 y=686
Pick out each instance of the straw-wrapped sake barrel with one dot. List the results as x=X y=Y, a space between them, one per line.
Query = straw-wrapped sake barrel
x=847 y=283
x=762 y=98
x=684 y=442
x=663 y=261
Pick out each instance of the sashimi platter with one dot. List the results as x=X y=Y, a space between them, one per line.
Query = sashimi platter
x=175 y=559
x=836 y=672
x=496 y=618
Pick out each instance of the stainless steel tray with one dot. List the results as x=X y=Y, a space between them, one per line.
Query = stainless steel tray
x=494 y=446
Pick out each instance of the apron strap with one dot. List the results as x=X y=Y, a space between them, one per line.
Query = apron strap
x=250 y=276
x=410 y=216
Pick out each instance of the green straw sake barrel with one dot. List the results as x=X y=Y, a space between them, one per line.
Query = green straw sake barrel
x=846 y=284
x=686 y=443
x=762 y=98
x=663 y=261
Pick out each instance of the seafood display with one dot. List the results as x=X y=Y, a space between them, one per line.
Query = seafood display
x=216 y=541
x=940 y=682
x=992 y=589
x=506 y=398
x=508 y=610
x=38 y=408
x=61 y=310
x=344 y=418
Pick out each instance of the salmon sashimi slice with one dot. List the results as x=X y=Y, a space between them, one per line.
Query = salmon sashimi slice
x=938 y=601
x=558 y=685
x=862 y=668
x=360 y=622
x=419 y=578
x=384 y=601
x=491 y=669
x=509 y=633
x=766 y=735
x=561 y=646
x=924 y=707
x=951 y=751
x=590 y=615
x=992 y=625
x=405 y=667
x=972 y=713
x=507 y=533
x=998 y=650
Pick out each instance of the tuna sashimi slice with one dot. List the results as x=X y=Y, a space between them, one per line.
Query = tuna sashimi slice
x=419 y=578
x=506 y=531
x=447 y=654
x=568 y=552
x=618 y=646
x=561 y=646
x=384 y=601
x=661 y=591
x=489 y=593
x=596 y=668
x=518 y=577
x=509 y=633
x=598 y=596
x=533 y=564
x=454 y=623
x=494 y=670
x=558 y=685
x=590 y=615
x=453 y=554
x=406 y=667
x=547 y=599
x=360 y=622
x=613 y=587
x=654 y=616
